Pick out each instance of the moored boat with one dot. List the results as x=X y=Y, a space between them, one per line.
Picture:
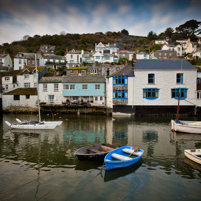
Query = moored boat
x=186 y=126
x=31 y=125
x=193 y=154
x=122 y=157
x=57 y=123
x=93 y=152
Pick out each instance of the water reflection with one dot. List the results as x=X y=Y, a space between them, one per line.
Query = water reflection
x=39 y=154
x=117 y=173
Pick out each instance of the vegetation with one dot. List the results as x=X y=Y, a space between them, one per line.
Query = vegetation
x=65 y=41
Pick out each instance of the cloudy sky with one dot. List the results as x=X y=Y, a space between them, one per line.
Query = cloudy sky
x=30 y=17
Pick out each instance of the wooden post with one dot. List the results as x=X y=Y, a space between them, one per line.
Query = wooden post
x=178 y=105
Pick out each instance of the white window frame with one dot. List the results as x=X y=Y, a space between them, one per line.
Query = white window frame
x=97 y=86
x=27 y=85
x=26 y=76
x=45 y=87
x=56 y=87
x=85 y=87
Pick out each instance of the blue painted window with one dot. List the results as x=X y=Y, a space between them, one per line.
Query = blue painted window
x=151 y=93
x=179 y=78
x=151 y=78
x=120 y=94
x=120 y=80
x=175 y=93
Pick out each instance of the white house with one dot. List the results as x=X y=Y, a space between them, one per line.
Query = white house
x=178 y=48
x=142 y=55
x=9 y=80
x=23 y=99
x=120 y=89
x=74 y=58
x=5 y=60
x=161 y=42
x=28 y=76
x=21 y=60
x=106 y=48
x=158 y=82
x=53 y=61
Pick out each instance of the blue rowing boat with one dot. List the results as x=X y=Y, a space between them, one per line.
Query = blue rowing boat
x=123 y=157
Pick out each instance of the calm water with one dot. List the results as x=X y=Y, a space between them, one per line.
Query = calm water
x=42 y=166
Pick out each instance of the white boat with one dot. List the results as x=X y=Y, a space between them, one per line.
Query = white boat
x=193 y=154
x=34 y=124
x=31 y=125
x=186 y=126
x=57 y=123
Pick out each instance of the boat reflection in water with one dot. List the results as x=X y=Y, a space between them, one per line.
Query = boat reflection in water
x=185 y=137
x=117 y=173
x=88 y=165
x=192 y=164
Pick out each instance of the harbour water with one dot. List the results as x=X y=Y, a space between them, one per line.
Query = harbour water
x=41 y=165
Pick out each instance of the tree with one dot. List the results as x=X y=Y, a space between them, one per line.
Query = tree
x=125 y=32
x=189 y=28
x=151 y=35
x=169 y=31
x=25 y=37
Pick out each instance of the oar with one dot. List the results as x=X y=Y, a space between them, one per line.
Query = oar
x=135 y=150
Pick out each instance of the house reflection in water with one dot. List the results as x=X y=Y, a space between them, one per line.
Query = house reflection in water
x=120 y=138
x=150 y=137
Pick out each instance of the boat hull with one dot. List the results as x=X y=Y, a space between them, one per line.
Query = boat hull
x=84 y=154
x=186 y=126
x=115 y=164
x=193 y=154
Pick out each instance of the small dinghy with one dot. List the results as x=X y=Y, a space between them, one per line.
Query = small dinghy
x=123 y=157
x=93 y=152
x=193 y=154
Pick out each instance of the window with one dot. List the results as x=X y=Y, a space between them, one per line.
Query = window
x=45 y=87
x=35 y=85
x=120 y=94
x=97 y=86
x=20 y=61
x=71 y=72
x=101 y=98
x=26 y=76
x=65 y=86
x=7 y=78
x=72 y=86
x=199 y=95
x=96 y=98
x=84 y=86
x=16 y=97
x=6 y=87
x=27 y=96
x=27 y=85
x=117 y=68
x=151 y=78
x=120 y=80
x=175 y=93
x=151 y=93
x=97 y=57
x=51 y=98
x=56 y=87
x=93 y=71
x=179 y=78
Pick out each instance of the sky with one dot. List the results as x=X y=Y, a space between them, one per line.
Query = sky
x=40 y=17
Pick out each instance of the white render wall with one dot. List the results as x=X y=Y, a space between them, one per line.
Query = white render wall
x=58 y=98
x=109 y=92
x=165 y=80
x=18 y=66
x=21 y=80
x=131 y=90
x=8 y=102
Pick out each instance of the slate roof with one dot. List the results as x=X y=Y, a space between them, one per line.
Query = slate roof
x=23 y=91
x=3 y=55
x=54 y=57
x=124 y=71
x=166 y=64
x=164 y=51
x=73 y=79
x=24 y=55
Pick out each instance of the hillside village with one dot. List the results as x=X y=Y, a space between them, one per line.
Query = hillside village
x=143 y=84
